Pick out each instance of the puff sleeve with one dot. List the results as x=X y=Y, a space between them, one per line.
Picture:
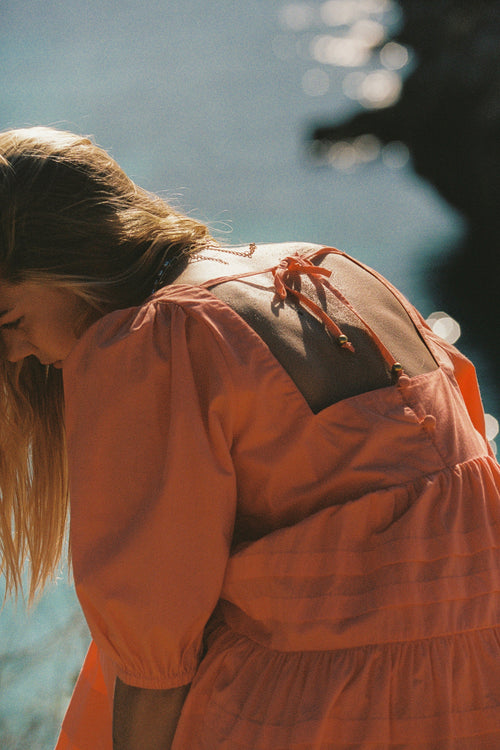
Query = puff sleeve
x=149 y=398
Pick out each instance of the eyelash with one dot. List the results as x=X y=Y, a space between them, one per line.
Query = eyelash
x=12 y=325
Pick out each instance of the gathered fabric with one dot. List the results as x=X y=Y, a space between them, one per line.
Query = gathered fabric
x=363 y=608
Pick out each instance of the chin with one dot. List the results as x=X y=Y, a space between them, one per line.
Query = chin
x=46 y=362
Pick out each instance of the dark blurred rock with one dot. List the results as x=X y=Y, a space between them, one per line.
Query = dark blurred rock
x=449 y=117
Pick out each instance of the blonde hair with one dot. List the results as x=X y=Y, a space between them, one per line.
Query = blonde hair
x=70 y=217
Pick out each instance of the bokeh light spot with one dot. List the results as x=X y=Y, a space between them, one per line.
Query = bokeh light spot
x=346 y=52
x=340 y=12
x=343 y=156
x=298 y=16
x=381 y=88
x=394 y=56
x=346 y=155
x=367 y=147
x=371 y=33
x=492 y=429
x=444 y=326
x=492 y=426
x=375 y=6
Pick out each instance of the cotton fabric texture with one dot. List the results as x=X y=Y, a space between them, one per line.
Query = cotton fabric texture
x=364 y=610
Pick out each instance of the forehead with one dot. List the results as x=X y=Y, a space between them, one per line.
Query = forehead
x=29 y=295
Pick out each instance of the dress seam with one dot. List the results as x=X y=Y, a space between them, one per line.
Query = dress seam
x=366 y=646
x=183 y=677
x=446 y=467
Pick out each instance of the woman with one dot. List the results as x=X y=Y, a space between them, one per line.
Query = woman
x=284 y=512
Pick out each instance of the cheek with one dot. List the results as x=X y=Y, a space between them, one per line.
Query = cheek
x=61 y=336
x=57 y=332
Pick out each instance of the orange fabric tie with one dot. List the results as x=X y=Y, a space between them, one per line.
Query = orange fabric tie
x=295 y=264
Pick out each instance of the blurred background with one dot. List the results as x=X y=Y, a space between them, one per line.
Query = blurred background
x=372 y=125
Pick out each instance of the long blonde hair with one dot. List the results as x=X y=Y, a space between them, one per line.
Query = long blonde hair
x=70 y=217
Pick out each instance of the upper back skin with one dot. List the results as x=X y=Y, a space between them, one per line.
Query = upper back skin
x=321 y=370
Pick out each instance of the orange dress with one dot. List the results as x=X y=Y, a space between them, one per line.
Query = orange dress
x=366 y=612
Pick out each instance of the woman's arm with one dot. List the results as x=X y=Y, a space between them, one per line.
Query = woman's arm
x=145 y=719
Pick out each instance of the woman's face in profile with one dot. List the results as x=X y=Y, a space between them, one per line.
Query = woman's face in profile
x=40 y=320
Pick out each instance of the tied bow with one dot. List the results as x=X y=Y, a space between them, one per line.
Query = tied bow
x=296 y=265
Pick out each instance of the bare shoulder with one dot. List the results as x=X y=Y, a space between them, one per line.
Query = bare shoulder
x=227 y=261
x=298 y=340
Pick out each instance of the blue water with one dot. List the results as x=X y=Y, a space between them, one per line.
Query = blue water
x=192 y=100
